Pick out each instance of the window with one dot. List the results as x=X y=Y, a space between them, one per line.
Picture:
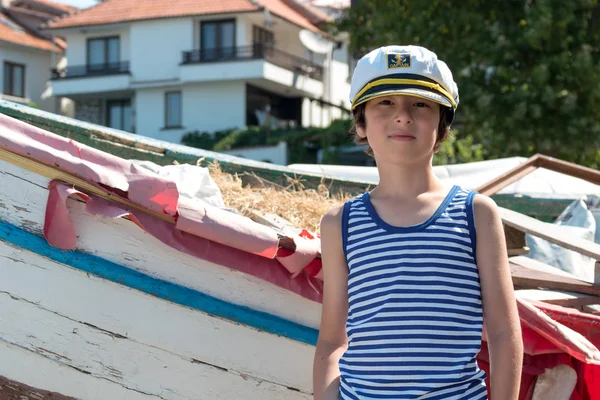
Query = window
x=262 y=36
x=119 y=115
x=103 y=53
x=14 y=79
x=173 y=110
x=217 y=39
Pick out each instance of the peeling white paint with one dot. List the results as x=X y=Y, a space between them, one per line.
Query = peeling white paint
x=145 y=344
x=90 y=338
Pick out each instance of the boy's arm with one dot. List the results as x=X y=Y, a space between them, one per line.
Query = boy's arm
x=503 y=329
x=332 y=340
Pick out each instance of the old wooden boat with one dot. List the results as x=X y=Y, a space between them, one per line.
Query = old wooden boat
x=116 y=286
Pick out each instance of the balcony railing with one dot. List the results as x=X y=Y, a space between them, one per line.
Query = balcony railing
x=91 y=70
x=255 y=52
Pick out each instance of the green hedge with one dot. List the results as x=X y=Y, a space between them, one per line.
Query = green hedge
x=304 y=143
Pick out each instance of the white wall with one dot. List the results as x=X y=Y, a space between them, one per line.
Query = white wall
x=229 y=70
x=87 y=85
x=340 y=83
x=339 y=92
x=38 y=64
x=206 y=107
x=157 y=46
x=273 y=154
x=76 y=48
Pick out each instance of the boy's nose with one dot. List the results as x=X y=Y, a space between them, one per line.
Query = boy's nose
x=403 y=114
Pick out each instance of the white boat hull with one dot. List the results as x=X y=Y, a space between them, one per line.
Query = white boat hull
x=110 y=338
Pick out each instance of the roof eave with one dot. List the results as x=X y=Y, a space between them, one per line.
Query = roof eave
x=65 y=28
x=55 y=47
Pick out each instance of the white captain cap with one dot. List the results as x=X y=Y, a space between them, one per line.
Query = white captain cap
x=403 y=70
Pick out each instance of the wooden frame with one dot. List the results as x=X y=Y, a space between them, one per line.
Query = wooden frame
x=516 y=224
x=539 y=161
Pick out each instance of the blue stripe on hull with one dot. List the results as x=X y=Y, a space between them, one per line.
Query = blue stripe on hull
x=162 y=289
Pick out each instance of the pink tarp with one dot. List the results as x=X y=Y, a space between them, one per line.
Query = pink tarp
x=200 y=230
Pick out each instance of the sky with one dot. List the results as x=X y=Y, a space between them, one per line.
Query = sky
x=78 y=3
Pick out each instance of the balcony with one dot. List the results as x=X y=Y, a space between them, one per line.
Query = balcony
x=83 y=79
x=255 y=52
x=91 y=70
x=261 y=62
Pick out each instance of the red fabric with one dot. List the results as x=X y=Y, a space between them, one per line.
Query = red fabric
x=58 y=228
x=61 y=232
x=548 y=342
x=217 y=225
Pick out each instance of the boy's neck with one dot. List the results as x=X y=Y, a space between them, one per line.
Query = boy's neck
x=408 y=181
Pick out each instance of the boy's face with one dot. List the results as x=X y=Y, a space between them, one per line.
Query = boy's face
x=401 y=128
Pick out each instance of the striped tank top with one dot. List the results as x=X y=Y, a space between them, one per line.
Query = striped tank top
x=414 y=305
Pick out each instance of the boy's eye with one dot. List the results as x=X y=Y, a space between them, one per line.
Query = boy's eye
x=386 y=102
x=421 y=104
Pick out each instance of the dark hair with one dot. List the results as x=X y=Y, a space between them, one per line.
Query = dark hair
x=359 y=121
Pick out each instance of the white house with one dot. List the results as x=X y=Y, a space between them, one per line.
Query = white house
x=27 y=55
x=163 y=68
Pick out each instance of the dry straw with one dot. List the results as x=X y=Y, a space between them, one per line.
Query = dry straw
x=303 y=208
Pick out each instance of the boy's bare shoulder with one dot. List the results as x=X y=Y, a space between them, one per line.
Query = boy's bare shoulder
x=484 y=208
x=332 y=220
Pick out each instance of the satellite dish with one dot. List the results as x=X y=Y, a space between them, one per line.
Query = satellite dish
x=315 y=42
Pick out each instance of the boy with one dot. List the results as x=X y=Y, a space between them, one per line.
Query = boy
x=412 y=268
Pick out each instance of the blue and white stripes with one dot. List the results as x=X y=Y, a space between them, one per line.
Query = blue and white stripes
x=415 y=315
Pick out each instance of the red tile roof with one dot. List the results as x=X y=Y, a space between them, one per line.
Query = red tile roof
x=12 y=32
x=115 y=11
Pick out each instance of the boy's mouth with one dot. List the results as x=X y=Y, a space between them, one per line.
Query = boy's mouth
x=402 y=136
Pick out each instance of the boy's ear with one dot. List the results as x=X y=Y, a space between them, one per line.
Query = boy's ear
x=360 y=130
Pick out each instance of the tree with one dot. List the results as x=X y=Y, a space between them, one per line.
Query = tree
x=528 y=71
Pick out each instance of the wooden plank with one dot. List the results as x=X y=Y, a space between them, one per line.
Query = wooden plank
x=558 y=297
x=576 y=302
x=128 y=315
x=133 y=365
x=536 y=265
x=506 y=179
x=518 y=252
x=527 y=277
x=18 y=364
x=549 y=232
x=539 y=161
x=515 y=239
x=568 y=168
